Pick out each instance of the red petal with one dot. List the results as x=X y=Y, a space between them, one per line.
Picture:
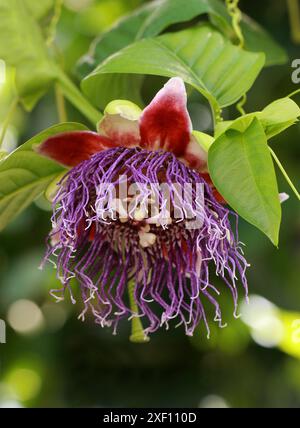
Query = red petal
x=195 y=157
x=71 y=148
x=165 y=123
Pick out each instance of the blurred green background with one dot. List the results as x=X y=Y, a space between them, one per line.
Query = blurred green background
x=52 y=359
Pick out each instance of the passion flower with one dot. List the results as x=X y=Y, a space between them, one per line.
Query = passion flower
x=142 y=254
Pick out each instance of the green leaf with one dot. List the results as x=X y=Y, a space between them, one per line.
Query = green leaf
x=118 y=86
x=242 y=170
x=170 y=12
x=221 y=127
x=146 y=21
x=24 y=174
x=257 y=39
x=25 y=50
x=275 y=118
x=153 y=18
x=278 y=116
x=201 y=56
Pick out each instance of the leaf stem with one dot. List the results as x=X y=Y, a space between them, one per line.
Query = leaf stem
x=73 y=94
x=285 y=174
x=7 y=119
x=294 y=93
x=137 y=331
x=60 y=104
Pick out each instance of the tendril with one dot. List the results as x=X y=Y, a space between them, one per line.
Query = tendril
x=236 y=17
x=241 y=104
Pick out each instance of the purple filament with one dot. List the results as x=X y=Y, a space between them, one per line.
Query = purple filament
x=172 y=281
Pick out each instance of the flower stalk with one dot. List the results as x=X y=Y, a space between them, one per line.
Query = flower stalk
x=137 y=331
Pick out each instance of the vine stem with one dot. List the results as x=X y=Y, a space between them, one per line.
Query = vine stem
x=60 y=104
x=72 y=93
x=7 y=119
x=294 y=17
x=137 y=331
x=285 y=174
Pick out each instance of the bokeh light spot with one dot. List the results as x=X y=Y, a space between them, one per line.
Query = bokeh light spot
x=263 y=318
x=213 y=402
x=25 y=317
x=25 y=383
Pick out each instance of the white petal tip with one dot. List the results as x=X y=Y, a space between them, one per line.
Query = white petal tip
x=176 y=83
x=283 y=197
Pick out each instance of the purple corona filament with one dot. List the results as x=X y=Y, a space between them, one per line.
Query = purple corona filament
x=168 y=262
